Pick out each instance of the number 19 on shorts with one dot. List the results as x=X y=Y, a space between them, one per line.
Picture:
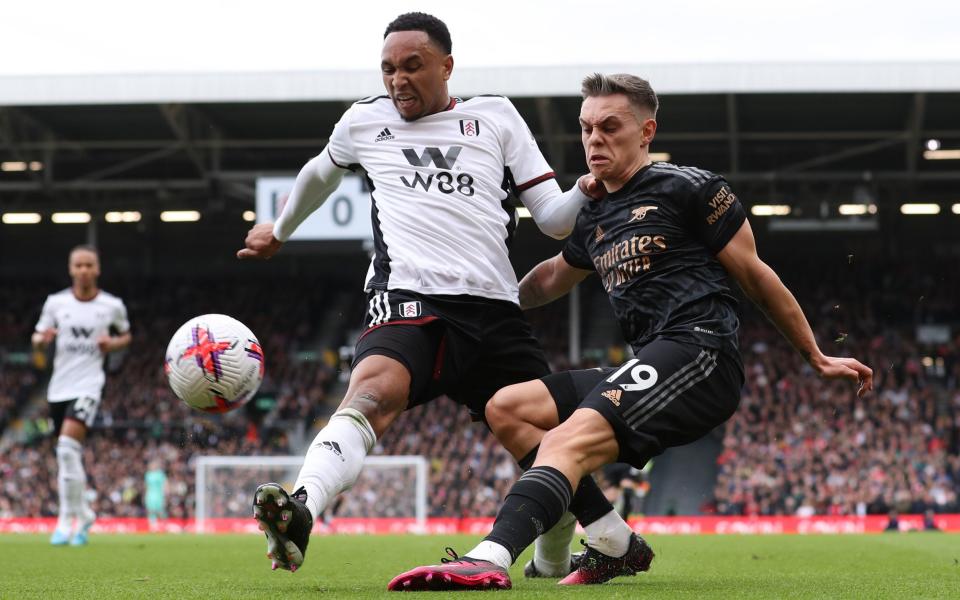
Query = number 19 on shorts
x=643 y=377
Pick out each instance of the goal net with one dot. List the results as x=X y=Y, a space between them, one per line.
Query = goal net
x=389 y=486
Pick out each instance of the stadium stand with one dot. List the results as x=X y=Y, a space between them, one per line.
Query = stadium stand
x=801 y=446
x=797 y=446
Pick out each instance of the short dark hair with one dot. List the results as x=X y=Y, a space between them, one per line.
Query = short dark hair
x=85 y=248
x=435 y=29
x=636 y=89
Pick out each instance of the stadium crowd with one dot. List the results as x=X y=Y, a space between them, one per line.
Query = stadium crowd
x=17 y=379
x=802 y=446
x=797 y=445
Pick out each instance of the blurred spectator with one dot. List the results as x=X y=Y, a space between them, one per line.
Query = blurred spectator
x=893 y=524
x=155 y=498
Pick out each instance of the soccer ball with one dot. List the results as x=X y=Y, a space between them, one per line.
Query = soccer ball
x=214 y=363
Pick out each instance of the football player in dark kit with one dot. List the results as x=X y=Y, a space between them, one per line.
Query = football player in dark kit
x=663 y=242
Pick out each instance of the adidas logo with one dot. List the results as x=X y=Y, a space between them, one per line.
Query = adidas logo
x=598 y=234
x=333 y=447
x=384 y=135
x=613 y=396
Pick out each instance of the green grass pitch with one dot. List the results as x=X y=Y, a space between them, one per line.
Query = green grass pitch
x=904 y=566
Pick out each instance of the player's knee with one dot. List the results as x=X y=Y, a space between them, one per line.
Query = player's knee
x=378 y=406
x=507 y=418
x=378 y=391
x=378 y=400
x=499 y=412
x=74 y=430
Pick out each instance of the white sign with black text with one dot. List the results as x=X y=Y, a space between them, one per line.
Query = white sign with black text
x=344 y=216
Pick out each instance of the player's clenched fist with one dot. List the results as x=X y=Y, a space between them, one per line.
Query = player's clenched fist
x=105 y=343
x=260 y=242
x=591 y=187
x=42 y=339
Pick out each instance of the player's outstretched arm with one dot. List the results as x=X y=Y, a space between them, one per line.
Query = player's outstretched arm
x=315 y=182
x=555 y=212
x=548 y=281
x=763 y=286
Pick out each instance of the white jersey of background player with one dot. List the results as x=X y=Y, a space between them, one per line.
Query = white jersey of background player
x=80 y=319
x=439 y=170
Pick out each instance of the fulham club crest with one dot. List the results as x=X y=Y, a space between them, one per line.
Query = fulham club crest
x=470 y=128
x=409 y=310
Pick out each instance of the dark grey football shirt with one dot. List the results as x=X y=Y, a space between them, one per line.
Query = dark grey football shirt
x=653 y=242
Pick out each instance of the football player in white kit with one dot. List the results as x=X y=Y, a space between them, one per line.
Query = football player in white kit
x=443 y=315
x=86 y=323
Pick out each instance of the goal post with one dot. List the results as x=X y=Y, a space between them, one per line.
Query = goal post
x=389 y=486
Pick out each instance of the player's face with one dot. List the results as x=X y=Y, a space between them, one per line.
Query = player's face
x=614 y=139
x=84 y=268
x=415 y=73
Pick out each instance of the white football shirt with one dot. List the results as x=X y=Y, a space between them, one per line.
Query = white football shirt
x=77 y=361
x=439 y=189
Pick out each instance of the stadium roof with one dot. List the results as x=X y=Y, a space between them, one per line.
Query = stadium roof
x=787 y=132
x=705 y=78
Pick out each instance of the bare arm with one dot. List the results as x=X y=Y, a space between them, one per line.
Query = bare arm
x=762 y=285
x=548 y=281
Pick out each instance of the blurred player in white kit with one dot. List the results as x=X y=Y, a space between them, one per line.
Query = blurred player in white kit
x=85 y=323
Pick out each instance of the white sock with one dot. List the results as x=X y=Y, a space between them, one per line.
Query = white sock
x=492 y=552
x=335 y=458
x=609 y=534
x=63 y=515
x=86 y=512
x=71 y=479
x=551 y=553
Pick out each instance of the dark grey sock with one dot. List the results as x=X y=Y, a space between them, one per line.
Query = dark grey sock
x=588 y=504
x=534 y=504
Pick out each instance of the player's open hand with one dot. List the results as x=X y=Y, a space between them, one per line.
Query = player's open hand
x=260 y=242
x=832 y=367
x=590 y=186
